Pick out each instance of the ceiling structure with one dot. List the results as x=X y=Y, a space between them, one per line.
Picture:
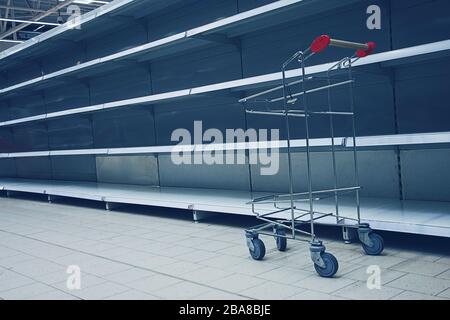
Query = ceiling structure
x=21 y=20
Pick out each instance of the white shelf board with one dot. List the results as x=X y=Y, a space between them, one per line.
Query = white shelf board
x=370 y=141
x=401 y=139
x=418 y=217
x=237 y=85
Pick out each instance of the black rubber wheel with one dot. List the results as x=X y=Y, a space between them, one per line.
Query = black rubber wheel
x=377 y=245
x=281 y=241
x=259 y=250
x=331 y=266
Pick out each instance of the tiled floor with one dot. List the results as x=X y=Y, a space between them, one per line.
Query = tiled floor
x=144 y=253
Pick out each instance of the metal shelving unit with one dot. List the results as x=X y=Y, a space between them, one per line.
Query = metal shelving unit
x=385 y=214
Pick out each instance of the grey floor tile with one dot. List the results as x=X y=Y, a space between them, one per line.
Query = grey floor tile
x=175 y=251
x=421 y=267
x=9 y=262
x=409 y=295
x=100 y=291
x=206 y=275
x=87 y=281
x=104 y=268
x=144 y=259
x=360 y=291
x=53 y=295
x=313 y=295
x=297 y=260
x=133 y=295
x=444 y=260
x=348 y=255
x=77 y=258
x=204 y=261
x=181 y=290
x=251 y=267
x=325 y=285
x=36 y=267
x=154 y=283
x=7 y=252
x=418 y=255
x=113 y=252
x=445 y=294
x=129 y=275
x=422 y=284
x=285 y=275
x=178 y=268
x=198 y=256
x=11 y=280
x=236 y=283
x=52 y=278
x=383 y=261
x=361 y=274
x=219 y=295
x=346 y=267
x=224 y=262
x=272 y=291
x=444 y=275
x=235 y=250
x=26 y=291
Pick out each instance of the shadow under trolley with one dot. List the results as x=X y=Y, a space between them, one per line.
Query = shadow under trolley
x=286 y=216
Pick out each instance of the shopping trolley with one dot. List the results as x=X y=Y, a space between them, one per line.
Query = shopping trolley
x=286 y=216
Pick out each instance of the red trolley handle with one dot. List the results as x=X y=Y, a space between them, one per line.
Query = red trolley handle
x=362 y=49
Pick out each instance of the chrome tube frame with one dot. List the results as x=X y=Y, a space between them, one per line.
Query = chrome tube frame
x=287 y=203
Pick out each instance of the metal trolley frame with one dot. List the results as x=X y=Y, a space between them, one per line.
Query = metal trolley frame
x=288 y=227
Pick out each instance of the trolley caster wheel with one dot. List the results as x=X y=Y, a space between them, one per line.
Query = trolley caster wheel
x=330 y=267
x=377 y=245
x=259 y=249
x=281 y=241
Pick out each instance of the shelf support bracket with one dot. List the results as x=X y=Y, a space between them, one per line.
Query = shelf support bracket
x=109 y=206
x=52 y=198
x=201 y=215
x=221 y=39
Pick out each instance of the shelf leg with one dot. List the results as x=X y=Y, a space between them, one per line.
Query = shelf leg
x=348 y=234
x=201 y=215
x=109 y=206
x=10 y=194
x=52 y=198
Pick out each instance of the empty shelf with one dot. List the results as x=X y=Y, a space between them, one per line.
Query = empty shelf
x=177 y=43
x=373 y=141
x=419 y=217
x=239 y=85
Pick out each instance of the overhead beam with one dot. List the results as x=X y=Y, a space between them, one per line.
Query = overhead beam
x=21 y=8
x=37 y=18
x=30 y=22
